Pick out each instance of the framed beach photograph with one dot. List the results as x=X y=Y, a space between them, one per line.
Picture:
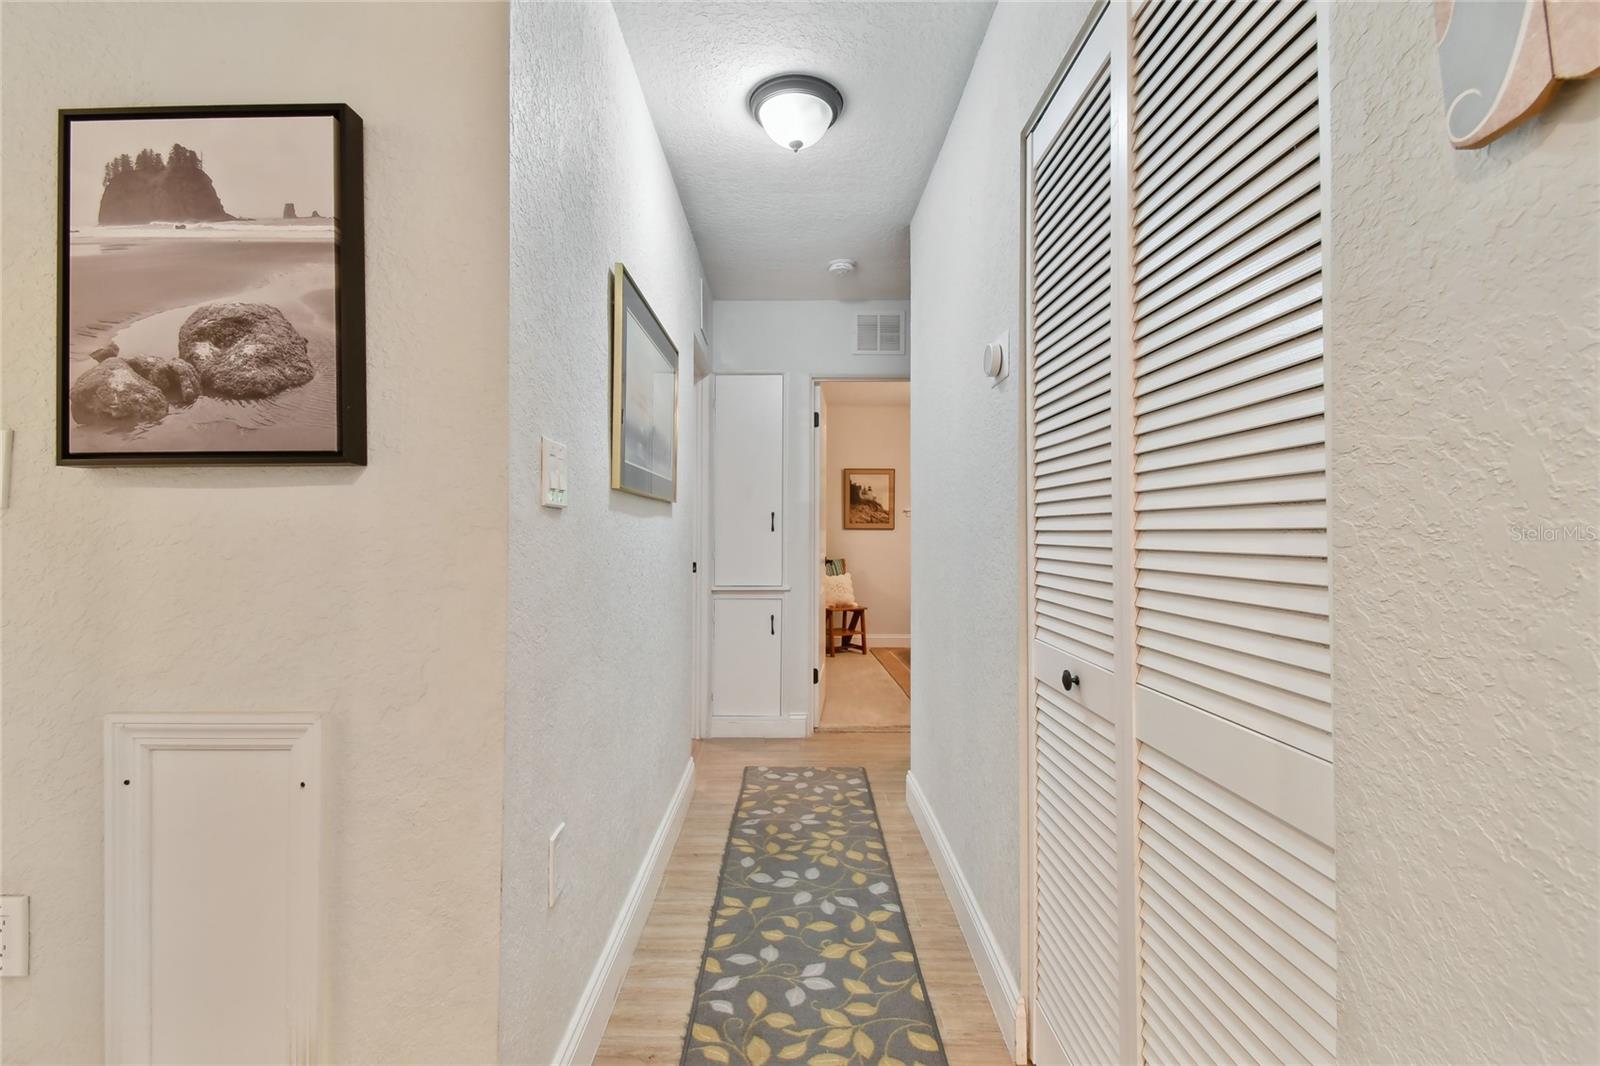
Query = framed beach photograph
x=868 y=499
x=211 y=288
x=644 y=395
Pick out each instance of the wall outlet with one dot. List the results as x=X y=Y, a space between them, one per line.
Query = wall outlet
x=13 y=936
x=553 y=888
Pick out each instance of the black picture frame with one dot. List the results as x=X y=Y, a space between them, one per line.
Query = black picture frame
x=349 y=291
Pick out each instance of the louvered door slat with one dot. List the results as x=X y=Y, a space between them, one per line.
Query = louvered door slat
x=1165 y=72
x=1228 y=89
x=1071 y=323
x=1077 y=845
x=1171 y=1004
x=1232 y=357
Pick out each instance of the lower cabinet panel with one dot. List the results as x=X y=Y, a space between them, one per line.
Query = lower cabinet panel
x=746 y=656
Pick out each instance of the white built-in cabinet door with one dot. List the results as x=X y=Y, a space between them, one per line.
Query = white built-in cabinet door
x=747 y=480
x=1181 y=846
x=213 y=851
x=746 y=656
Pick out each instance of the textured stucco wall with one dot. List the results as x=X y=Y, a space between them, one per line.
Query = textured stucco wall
x=1465 y=390
x=373 y=596
x=598 y=656
x=965 y=444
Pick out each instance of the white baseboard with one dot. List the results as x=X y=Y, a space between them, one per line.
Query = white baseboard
x=1005 y=998
x=889 y=640
x=785 y=725
x=582 y=1038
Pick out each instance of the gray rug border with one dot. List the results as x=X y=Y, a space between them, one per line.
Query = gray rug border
x=711 y=911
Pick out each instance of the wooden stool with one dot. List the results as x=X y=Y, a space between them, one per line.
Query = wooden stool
x=853 y=623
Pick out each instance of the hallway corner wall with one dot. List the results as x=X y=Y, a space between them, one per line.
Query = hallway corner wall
x=372 y=596
x=598 y=670
x=1463 y=344
x=965 y=451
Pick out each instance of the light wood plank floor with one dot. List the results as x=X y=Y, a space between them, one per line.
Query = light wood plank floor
x=653 y=1007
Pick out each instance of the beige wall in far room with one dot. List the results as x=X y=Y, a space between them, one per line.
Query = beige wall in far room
x=372 y=596
x=876 y=436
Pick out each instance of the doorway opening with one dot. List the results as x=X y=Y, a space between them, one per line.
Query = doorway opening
x=862 y=504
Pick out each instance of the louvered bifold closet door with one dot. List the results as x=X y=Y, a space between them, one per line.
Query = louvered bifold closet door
x=1236 y=874
x=1079 y=508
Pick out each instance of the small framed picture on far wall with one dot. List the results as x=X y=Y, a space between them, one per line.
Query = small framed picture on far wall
x=211 y=305
x=868 y=499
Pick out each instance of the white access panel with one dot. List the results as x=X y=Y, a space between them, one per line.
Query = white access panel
x=213 y=838
x=746 y=656
x=747 y=480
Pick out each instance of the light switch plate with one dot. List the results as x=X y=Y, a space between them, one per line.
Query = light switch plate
x=5 y=468
x=13 y=936
x=552 y=473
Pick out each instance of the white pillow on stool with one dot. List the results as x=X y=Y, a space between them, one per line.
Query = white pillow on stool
x=838 y=590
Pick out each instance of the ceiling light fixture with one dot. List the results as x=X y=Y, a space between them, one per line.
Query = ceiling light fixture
x=795 y=109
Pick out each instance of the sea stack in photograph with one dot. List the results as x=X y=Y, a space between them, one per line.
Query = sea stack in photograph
x=148 y=188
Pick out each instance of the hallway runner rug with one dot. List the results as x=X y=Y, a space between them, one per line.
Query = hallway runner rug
x=897 y=662
x=808 y=957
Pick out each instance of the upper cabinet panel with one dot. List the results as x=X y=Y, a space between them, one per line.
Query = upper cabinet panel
x=747 y=480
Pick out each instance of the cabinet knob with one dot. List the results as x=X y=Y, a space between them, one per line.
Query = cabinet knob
x=1068 y=679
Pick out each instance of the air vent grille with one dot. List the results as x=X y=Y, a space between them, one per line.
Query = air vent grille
x=881 y=334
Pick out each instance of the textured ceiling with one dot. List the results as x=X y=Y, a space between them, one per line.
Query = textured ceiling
x=767 y=221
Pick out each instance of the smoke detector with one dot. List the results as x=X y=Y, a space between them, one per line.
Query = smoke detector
x=842 y=268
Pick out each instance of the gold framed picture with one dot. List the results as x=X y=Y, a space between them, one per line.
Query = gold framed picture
x=868 y=499
x=644 y=395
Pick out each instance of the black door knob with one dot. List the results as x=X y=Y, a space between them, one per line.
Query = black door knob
x=1068 y=679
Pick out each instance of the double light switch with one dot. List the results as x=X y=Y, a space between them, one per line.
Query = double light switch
x=552 y=473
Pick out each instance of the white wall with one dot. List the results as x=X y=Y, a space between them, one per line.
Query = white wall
x=965 y=447
x=801 y=339
x=598 y=681
x=873 y=436
x=1464 y=398
x=374 y=597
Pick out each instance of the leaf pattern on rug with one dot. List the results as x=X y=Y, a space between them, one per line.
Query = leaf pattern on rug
x=808 y=957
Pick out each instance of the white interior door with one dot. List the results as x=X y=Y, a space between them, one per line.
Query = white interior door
x=1080 y=593
x=819 y=502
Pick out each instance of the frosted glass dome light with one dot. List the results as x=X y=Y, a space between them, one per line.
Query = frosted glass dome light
x=796 y=109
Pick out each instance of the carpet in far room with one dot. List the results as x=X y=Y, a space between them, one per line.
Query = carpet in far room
x=862 y=696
